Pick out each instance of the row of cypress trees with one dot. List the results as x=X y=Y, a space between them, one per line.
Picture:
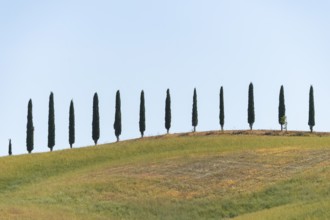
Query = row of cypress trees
x=95 y=122
x=281 y=108
x=251 y=114
x=142 y=119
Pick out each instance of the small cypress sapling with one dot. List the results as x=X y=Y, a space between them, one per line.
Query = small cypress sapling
x=142 y=121
x=117 y=124
x=194 y=111
x=285 y=123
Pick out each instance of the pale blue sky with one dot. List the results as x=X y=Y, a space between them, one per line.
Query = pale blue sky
x=76 y=48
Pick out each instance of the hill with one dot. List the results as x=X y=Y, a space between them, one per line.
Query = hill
x=208 y=175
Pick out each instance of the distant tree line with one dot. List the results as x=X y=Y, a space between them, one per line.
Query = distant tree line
x=142 y=116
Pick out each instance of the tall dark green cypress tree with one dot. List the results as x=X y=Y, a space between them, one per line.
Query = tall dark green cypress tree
x=168 y=116
x=117 y=124
x=281 y=108
x=251 y=116
x=72 y=131
x=9 y=148
x=51 y=123
x=311 y=118
x=142 y=122
x=194 y=120
x=222 y=109
x=29 y=129
x=96 y=119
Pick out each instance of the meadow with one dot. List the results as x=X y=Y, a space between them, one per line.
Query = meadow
x=207 y=175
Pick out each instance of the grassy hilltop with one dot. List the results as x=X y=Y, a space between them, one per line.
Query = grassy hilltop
x=210 y=175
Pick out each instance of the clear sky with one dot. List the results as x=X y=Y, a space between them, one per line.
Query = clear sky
x=76 y=47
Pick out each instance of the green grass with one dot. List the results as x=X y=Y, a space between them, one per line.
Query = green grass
x=203 y=176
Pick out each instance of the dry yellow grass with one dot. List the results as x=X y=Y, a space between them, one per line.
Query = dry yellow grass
x=210 y=175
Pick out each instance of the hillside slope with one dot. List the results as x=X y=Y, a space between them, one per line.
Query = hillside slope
x=206 y=175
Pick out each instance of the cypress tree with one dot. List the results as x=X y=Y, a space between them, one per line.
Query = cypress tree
x=251 y=116
x=117 y=124
x=96 y=119
x=9 y=148
x=311 y=118
x=194 y=120
x=51 y=123
x=222 y=110
x=29 y=129
x=142 y=122
x=281 y=108
x=71 y=125
x=168 y=111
